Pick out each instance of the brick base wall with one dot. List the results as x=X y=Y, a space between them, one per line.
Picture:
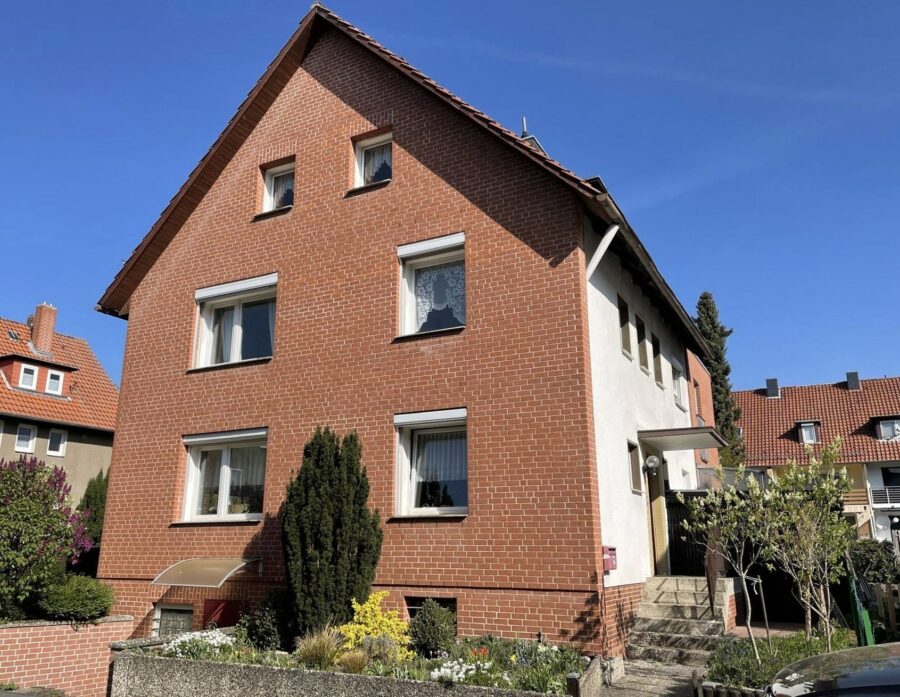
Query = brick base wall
x=737 y=607
x=57 y=655
x=619 y=607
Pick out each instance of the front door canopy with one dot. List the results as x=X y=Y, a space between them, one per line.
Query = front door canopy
x=693 y=438
x=208 y=572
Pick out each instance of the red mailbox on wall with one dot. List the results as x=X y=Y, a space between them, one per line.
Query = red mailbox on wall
x=609 y=558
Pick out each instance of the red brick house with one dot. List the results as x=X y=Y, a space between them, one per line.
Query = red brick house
x=780 y=422
x=56 y=402
x=362 y=249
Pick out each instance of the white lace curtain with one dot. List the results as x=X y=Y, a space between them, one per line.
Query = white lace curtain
x=441 y=457
x=441 y=296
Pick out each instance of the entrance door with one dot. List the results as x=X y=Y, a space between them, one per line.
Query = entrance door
x=657 y=515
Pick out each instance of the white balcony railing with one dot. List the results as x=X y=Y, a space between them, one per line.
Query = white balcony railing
x=886 y=496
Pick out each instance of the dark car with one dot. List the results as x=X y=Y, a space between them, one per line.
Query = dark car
x=869 y=670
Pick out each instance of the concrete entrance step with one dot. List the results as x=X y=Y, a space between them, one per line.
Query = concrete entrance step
x=662 y=654
x=678 y=626
x=677 y=611
x=682 y=597
x=649 y=679
x=673 y=641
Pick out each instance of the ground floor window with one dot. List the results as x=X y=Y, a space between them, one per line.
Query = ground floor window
x=169 y=620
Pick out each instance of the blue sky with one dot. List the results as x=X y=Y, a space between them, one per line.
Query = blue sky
x=755 y=147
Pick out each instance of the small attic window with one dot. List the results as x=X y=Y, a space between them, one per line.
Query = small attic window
x=808 y=432
x=279 y=192
x=374 y=160
x=13 y=335
x=888 y=429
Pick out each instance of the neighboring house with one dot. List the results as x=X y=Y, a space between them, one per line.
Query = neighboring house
x=362 y=249
x=778 y=422
x=56 y=402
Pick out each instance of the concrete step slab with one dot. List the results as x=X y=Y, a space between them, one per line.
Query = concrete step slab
x=679 y=626
x=674 y=641
x=677 y=612
x=661 y=654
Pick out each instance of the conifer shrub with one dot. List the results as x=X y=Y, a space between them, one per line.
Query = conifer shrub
x=259 y=628
x=332 y=541
x=433 y=629
x=371 y=622
x=78 y=599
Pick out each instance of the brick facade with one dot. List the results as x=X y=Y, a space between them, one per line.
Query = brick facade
x=701 y=404
x=74 y=659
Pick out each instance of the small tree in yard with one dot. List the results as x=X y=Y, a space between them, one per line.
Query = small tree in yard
x=93 y=502
x=332 y=541
x=808 y=536
x=38 y=530
x=732 y=521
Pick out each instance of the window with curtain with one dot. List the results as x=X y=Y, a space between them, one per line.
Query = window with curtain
x=440 y=294
x=238 y=329
x=374 y=160
x=809 y=432
x=226 y=481
x=439 y=470
x=279 y=182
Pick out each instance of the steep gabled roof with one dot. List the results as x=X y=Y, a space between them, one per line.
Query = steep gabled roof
x=92 y=399
x=318 y=19
x=770 y=424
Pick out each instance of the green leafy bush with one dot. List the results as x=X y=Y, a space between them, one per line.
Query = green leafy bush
x=875 y=561
x=78 y=599
x=733 y=664
x=433 y=629
x=38 y=530
x=259 y=628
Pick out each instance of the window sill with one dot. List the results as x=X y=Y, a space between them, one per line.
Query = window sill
x=219 y=521
x=682 y=407
x=423 y=335
x=660 y=386
x=427 y=517
x=645 y=370
x=627 y=354
x=232 y=364
x=356 y=191
x=265 y=215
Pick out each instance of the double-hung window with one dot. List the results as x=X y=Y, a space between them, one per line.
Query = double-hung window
x=56 y=442
x=237 y=321
x=54 y=384
x=226 y=474
x=433 y=286
x=279 y=191
x=28 y=377
x=374 y=160
x=26 y=435
x=432 y=463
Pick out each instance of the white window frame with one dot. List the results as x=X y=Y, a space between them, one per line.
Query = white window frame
x=801 y=426
x=406 y=426
x=269 y=185
x=360 y=157
x=881 y=435
x=678 y=384
x=420 y=255
x=28 y=450
x=235 y=294
x=157 y=614
x=22 y=369
x=62 y=443
x=218 y=441
x=58 y=373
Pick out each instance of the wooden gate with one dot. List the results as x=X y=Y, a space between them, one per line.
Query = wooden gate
x=686 y=557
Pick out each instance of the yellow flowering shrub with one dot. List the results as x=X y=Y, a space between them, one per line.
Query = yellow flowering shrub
x=370 y=621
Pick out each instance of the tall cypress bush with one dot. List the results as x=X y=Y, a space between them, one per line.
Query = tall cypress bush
x=94 y=502
x=332 y=541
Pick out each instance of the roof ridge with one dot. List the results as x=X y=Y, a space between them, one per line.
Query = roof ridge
x=816 y=384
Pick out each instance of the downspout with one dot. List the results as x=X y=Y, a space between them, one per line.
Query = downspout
x=597 y=256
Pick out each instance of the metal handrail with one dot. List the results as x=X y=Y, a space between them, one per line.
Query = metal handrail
x=887 y=494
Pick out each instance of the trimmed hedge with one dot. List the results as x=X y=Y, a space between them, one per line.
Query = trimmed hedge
x=78 y=599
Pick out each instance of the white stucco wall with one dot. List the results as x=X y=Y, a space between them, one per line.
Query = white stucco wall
x=626 y=400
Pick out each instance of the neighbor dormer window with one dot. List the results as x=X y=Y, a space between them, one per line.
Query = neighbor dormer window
x=433 y=285
x=279 y=182
x=374 y=160
x=54 y=382
x=28 y=377
x=809 y=432
x=889 y=429
x=237 y=321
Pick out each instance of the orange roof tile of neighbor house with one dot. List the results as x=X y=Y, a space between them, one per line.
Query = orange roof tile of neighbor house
x=90 y=399
x=770 y=423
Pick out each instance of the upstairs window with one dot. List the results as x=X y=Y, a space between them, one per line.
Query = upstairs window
x=26 y=435
x=279 y=183
x=433 y=463
x=54 y=383
x=809 y=432
x=624 y=326
x=28 y=377
x=657 y=360
x=56 y=442
x=704 y=452
x=889 y=429
x=433 y=287
x=634 y=465
x=678 y=386
x=374 y=160
x=642 y=343
x=237 y=321
x=226 y=473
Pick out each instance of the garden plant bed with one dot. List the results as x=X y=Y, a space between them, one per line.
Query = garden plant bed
x=139 y=674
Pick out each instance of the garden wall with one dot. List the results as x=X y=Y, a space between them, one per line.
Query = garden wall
x=141 y=675
x=74 y=659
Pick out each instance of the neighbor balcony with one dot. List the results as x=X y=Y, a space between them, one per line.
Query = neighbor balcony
x=888 y=496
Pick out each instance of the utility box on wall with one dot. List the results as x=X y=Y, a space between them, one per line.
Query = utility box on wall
x=609 y=558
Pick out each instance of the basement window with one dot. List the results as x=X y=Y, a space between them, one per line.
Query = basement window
x=279 y=183
x=433 y=285
x=374 y=160
x=808 y=432
x=171 y=620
